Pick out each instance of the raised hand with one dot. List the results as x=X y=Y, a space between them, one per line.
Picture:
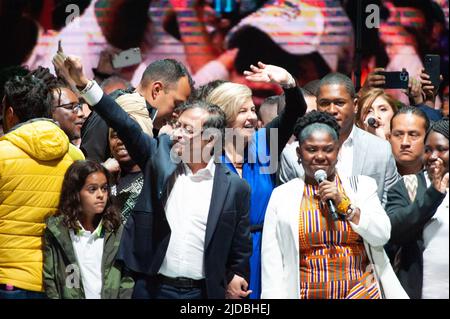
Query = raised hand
x=415 y=91
x=112 y=165
x=75 y=71
x=438 y=176
x=374 y=80
x=105 y=61
x=270 y=74
x=60 y=69
x=427 y=86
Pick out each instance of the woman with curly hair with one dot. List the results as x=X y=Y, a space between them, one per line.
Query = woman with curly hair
x=310 y=253
x=81 y=240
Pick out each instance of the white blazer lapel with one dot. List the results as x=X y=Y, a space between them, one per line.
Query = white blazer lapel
x=293 y=206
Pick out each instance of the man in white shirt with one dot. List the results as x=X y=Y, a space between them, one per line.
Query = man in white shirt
x=361 y=153
x=188 y=236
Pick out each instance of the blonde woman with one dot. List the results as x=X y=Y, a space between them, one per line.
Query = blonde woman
x=252 y=153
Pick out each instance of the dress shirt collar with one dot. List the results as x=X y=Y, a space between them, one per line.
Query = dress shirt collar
x=202 y=174
x=349 y=141
x=97 y=233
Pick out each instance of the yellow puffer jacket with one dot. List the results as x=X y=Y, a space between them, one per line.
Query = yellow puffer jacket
x=33 y=160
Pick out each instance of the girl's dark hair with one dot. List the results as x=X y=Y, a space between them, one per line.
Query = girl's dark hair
x=316 y=117
x=70 y=202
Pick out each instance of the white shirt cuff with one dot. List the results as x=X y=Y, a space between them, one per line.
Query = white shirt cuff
x=93 y=93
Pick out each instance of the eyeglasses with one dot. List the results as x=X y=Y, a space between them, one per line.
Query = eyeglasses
x=186 y=130
x=74 y=107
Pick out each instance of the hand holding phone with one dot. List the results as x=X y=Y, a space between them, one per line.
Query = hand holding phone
x=432 y=64
x=395 y=80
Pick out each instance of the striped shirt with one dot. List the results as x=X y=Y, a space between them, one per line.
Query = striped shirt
x=333 y=260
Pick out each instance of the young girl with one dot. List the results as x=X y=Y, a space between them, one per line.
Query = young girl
x=81 y=240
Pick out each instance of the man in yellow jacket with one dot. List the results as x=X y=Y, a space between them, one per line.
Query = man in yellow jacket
x=34 y=156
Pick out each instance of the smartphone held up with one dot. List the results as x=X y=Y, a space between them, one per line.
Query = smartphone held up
x=127 y=58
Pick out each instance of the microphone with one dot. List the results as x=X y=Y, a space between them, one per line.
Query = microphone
x=320 y=175
x=372 y=122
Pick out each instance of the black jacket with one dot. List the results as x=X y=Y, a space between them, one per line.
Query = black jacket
x=408 y=220
x=146 y=234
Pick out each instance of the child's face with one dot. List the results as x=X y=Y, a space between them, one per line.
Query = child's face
x=94 y=194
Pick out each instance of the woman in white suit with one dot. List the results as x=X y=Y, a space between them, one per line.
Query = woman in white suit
x=308 y=255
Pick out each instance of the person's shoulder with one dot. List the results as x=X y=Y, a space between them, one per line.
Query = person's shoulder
x=288 y=187
x=5 y=146
x=369 y=140
x=290 y=150
x=53 y=222
x=75 y=153
x=164 y=139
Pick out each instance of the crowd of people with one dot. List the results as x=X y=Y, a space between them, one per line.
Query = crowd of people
x=188 y=181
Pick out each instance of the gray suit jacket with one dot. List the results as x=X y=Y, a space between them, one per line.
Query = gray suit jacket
x=372 y=156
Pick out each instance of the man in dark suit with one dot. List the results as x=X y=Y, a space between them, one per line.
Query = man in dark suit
x=407 y=137
x=419 y=219
x=188 y=236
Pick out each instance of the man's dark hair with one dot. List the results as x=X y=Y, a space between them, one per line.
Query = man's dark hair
x=9 y=72
x=113 y=79
x=271 y=100
x=415 y=111
x=216 y=119
x=311 y=88
x=315 y=120
x=168 y=71
x=203 y=91
x=278 y=100
x=52 y=82
x=29 y=97
x=340 y=79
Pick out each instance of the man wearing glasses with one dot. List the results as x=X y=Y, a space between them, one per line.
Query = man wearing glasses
x=188 y=236
x=66 y=108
